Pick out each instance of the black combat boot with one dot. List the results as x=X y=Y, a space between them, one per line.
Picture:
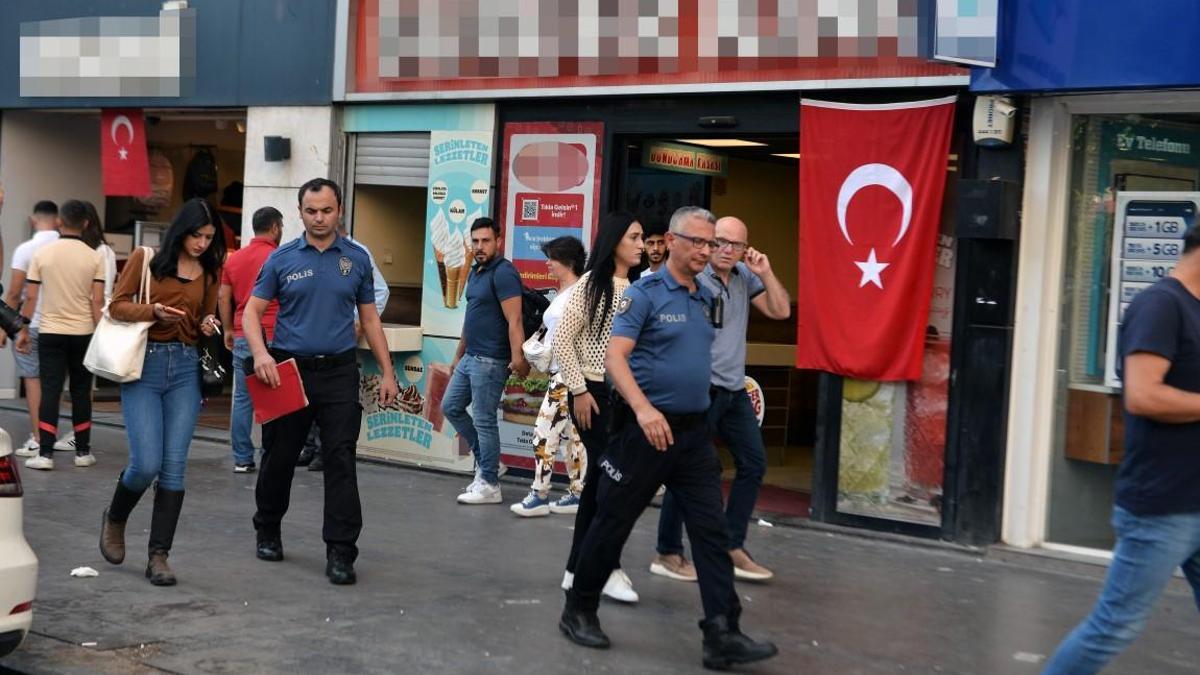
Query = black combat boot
x=725 y=645
x=579 y=621
x=167 y=505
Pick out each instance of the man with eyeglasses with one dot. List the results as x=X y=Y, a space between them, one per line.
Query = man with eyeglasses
x=736 y=284
x=659 y=359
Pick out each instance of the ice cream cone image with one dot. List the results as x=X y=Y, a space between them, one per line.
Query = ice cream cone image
x=453 y=282
x=467 y=255
x=441 y=267
x=442 y=241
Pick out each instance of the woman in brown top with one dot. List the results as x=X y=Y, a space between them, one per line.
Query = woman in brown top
x=161 y=408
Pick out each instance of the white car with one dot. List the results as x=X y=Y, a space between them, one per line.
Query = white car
x=18 y=564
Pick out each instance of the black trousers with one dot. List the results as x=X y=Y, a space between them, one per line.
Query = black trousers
x=595 y=442
x=334 y=405
x=630 y=473
x=58 y=356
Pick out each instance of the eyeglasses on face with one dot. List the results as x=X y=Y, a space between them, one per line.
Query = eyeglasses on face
x=697 y=242
x=735 y=246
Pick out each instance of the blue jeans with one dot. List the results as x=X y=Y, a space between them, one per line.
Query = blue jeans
x=478 y=381
x=1148 y=550
x=730 y=416
x=241 y=419
x=160 y=412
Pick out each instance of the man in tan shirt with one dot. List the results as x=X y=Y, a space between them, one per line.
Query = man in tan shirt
x=67 y=276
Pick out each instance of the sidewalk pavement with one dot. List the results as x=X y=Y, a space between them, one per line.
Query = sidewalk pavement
x=454 y=589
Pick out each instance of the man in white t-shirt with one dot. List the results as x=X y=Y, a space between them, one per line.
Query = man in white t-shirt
x=45 y=230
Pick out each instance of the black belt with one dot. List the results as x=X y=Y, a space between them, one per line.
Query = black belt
x=316 y=362
x=685 y=422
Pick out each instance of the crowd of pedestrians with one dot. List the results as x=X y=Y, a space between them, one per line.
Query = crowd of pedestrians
x=644 y=345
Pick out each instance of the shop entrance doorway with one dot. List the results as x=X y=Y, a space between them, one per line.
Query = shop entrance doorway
x=753 y=177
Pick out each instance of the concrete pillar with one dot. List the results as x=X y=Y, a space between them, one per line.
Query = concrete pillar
x=310 y=129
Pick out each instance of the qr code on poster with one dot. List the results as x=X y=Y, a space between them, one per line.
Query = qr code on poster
x=529 y=209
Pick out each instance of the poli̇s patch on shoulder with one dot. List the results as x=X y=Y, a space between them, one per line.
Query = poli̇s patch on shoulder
x=624 y=304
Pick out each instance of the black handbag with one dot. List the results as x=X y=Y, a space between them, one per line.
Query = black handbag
x=212 y=372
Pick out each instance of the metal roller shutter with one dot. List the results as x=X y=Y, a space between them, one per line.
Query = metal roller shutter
x=392 y=159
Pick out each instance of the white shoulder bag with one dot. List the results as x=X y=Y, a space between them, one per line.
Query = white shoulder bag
x=118 y=348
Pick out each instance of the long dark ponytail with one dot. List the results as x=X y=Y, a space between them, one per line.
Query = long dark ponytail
x=602 y=264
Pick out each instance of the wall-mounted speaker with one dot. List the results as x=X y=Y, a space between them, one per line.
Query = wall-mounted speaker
x=277 y=148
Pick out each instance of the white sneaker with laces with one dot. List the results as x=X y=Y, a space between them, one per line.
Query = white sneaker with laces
x=481 y=493
x=66 y=443
x=568 y=581
x=40 y=463
x=85 y=460
x=619 y=587
x=30 y=449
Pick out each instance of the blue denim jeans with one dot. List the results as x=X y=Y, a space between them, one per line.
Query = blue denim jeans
x=1148 y=550
x=730 y=416
x=478 y=381
x=160 y=412
x=241 y=418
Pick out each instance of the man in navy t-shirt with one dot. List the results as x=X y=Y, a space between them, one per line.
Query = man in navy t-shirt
x=1157 y=512
x=490 y=347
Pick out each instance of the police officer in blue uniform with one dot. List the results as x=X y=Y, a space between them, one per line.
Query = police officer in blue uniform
x=660 y=362
x=319 y=279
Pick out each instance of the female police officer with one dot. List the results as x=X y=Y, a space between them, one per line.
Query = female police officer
x=660 y=361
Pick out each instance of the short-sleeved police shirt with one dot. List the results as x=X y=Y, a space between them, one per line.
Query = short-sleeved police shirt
x=1160 y=473
x=318 y=292
x=729 y=345
x=484 y=324
x=672 y=328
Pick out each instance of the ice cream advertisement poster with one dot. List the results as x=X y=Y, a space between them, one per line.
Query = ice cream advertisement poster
x=460 y=167
x=412 y=429
x=549 y=186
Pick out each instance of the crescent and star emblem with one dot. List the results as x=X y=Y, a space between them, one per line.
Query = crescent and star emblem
x=886 y=177
x=118 y=122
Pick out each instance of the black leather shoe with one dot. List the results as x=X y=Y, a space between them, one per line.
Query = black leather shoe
x=317 y=464
x=305 y=458
x=340 y=571
x=580 y=623
x=725 y=645
x=270 y=550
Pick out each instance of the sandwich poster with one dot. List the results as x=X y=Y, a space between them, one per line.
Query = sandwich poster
x=549 y=187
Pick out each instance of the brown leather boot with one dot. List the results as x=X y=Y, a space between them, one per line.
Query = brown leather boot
x=158 y=571
x=112 y=523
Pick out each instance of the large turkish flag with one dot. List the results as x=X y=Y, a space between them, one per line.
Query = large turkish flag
x=871 y=185
x=124 y=162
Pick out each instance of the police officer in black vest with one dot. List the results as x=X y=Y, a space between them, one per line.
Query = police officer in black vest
x=660 y=362
x=319 y=280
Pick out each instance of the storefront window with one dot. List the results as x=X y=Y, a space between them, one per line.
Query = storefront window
x=1112 y=156
x=892 y=455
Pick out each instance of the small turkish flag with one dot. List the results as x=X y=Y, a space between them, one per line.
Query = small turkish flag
x=124 y=162
x=871 y=184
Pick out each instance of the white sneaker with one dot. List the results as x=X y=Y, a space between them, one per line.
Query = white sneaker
x=40 y=463
x=30 y=449
x=85 y=460
x=481 y=493
x=66 y=443
x=619 y=587
x=568 y=581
